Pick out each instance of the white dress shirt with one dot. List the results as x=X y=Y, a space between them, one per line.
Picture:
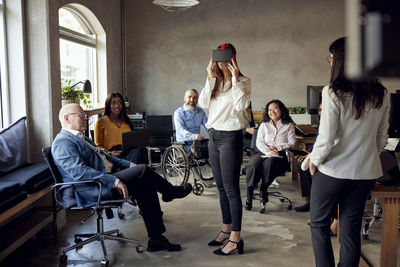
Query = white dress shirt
x=226 y=111
x=282 y=136
x=347 y=148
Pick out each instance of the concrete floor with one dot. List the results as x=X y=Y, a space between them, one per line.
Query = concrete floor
x=280 y=237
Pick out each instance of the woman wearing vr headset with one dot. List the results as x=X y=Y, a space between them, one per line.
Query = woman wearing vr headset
x=227 y=95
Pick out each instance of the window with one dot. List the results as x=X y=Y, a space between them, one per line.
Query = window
x=3 y=91
x=78 y=60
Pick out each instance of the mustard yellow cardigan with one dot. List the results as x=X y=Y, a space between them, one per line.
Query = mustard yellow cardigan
x=107 y=134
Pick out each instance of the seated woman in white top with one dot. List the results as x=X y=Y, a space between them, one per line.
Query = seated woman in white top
x=274 y=136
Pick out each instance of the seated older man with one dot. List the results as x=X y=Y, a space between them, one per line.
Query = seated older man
x=188 y=119
x=79 y=159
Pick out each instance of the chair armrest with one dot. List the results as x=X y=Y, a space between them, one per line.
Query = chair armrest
x=55 y=186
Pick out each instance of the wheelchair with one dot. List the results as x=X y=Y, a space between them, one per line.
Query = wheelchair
x=177 y=164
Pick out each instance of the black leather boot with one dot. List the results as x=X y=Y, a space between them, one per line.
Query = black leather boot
x=248 y=204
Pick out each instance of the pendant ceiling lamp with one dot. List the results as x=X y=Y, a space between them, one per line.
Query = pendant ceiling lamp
x=175 y=5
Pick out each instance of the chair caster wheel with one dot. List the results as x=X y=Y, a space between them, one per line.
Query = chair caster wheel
x=139 y=249
x=104 y=263
x=289 y=207
x=121 y=235
x=365 y=237
x=63 y=258
x=198 y=189
x=77 y=240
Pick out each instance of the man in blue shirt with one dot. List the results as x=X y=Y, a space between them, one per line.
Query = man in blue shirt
x=188 y=120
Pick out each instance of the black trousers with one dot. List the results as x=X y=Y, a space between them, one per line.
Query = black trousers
x=265 y=169
x=326 y=193
x=143 y=184
x=305 y=181
x=226 y=153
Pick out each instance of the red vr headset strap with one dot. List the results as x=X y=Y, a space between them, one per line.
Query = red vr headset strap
x=223 y=47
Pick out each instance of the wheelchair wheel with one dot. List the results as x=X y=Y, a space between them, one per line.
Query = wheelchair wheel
x=207 y=177
x=175 y=165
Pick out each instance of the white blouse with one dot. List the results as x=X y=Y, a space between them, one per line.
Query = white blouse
x=347 y=148
x=282 y=136
x=226 y=111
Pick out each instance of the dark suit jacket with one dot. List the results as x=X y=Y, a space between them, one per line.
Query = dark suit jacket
x=77 y=161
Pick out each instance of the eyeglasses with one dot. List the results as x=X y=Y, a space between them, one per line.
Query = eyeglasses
x=83 y=115
x=329 y=59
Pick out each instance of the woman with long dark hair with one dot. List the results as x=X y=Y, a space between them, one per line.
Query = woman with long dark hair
x=345 y=158
x=274 y=136
x=108 y=130
x=226 y=95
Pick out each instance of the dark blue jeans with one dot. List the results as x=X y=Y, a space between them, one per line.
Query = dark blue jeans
x=226 y=152
x=326 y=193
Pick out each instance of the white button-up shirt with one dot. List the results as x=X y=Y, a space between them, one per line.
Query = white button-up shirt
x=282 y=136
x=348 y=148
x=226 y=111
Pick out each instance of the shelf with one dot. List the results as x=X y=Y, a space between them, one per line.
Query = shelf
x=18 y=232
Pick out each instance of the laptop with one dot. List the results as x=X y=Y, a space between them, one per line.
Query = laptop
x=135 y=139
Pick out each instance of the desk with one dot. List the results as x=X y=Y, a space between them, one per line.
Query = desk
x=304 y=142
x=391 y=206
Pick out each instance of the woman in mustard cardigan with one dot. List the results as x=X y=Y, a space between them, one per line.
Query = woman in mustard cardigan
x=108 y=130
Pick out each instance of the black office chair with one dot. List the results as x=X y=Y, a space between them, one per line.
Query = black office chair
x=275 y=194
x=64 y=194
x=161 y=136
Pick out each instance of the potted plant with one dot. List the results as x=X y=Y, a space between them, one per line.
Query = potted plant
x=73 y=94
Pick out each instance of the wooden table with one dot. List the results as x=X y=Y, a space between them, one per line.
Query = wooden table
x=390 y=233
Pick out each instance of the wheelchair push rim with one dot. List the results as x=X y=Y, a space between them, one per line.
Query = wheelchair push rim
x=175 y=165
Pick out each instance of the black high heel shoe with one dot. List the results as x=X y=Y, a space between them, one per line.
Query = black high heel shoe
x=248 y=204
x=215 y=243
x=263 y=198
x=239 y=248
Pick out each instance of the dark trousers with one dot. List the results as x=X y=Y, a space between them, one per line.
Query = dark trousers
x=305 y=181
x=143 y=184
x=265 y=169
x=326 y=193
x=226 y=152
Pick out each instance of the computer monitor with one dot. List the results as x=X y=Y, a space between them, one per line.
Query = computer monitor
x=394 y=117
x=159 y=123
x=314 y=94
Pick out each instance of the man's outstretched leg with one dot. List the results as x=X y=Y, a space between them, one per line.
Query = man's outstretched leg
x=143 y=184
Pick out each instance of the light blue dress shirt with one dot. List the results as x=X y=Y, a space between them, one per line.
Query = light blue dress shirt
x=188 y=123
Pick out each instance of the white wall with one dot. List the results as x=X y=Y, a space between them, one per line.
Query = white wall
x=282 y=46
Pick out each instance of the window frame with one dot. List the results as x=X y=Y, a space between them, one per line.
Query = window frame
x=4 y=93
x=89 y=40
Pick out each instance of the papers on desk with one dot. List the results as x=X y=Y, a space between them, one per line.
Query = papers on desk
x=267 y=155
x=391 y=144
